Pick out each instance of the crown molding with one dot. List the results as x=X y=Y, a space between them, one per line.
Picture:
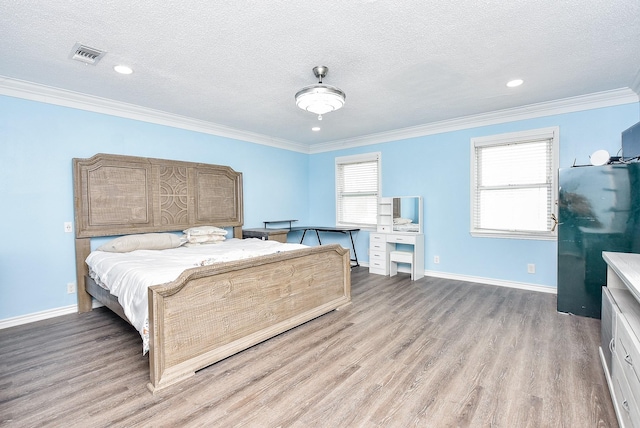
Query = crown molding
x=635 y=86
x=566 y=105
x=47 y=94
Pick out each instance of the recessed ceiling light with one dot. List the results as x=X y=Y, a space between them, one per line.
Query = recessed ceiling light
x=515 y=82
x=123 y=69
x=315 y=128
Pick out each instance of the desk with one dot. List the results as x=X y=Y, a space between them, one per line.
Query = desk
x=266 y=223
x=381 y=245
x=345 y=230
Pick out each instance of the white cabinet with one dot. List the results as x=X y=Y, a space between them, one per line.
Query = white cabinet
x=379 y=251
x=625 y=373
x=408 y=248
x=622 y=320
x=385 y=215
x=610 y=313
x=399 y=239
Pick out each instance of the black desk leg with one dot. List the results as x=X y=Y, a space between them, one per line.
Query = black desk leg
x=355 y=259
x=303 y=233
x=318 y=235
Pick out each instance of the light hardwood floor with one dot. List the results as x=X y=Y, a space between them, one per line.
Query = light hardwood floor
x=429 y=353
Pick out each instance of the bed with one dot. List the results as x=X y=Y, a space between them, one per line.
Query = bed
x=209 y=312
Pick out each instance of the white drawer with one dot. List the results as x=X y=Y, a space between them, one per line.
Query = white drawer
x=378 y=246
x=380 y=256
x=627 y=349
x=377 y=237
x=378 y=264
x=401 y=239
x=379 y=267
x=627 y=411
x=377 y=270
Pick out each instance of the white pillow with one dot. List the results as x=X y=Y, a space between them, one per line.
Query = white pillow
x=146 y=241
x=205 y=230
x=201 y=239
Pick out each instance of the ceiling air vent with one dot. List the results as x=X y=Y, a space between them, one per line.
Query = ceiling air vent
x=86 y=54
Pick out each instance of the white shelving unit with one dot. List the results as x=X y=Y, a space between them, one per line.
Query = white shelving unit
x=385 y=215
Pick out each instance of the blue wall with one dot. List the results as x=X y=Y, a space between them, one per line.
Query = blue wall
x=437 y=167
x=38 y=141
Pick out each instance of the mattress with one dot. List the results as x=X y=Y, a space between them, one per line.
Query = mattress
x=128 y=275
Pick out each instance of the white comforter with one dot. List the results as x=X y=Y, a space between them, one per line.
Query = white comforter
x=128 y=275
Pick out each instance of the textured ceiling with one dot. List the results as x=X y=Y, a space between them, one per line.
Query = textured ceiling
x=401 y=63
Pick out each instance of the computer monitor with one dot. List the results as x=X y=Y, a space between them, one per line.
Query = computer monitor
x=631 y=142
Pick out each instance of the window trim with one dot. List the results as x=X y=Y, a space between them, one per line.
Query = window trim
x=363 y=157
x=552 y=133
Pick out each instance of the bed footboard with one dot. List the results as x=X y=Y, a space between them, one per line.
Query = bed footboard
x=212 y=312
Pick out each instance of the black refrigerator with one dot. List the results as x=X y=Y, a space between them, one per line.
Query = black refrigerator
x=598 y=210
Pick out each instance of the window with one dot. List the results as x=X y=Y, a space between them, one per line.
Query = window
x=357 y=189
x=513 y=184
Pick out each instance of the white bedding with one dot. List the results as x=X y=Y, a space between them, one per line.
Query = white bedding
x=128 y=275
x=408 y=227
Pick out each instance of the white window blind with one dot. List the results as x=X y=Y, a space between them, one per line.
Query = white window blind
x=357 y=189
x=514 y=186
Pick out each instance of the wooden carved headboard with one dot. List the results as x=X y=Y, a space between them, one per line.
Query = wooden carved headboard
x=119 y=195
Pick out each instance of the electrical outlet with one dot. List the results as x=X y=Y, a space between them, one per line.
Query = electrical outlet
x=68 y=227
x=71 y=287
x=436 y=259
x=531 y=268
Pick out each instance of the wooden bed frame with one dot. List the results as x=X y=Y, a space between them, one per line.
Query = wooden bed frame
x=208 y=313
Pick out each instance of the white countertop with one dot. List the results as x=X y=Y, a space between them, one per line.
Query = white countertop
x=627 y=267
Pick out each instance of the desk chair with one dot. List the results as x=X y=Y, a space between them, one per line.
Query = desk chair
x=396 y=257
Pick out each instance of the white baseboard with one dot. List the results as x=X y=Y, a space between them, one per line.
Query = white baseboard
x=481 y=280
x=43 y=315
x=491 y=281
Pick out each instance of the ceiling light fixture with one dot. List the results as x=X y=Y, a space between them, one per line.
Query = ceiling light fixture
x=515 y=82
x=320 y=98
x=123 y=69
x=315 y=129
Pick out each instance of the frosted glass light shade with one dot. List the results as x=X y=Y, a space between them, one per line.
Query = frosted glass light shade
x=320 y=99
